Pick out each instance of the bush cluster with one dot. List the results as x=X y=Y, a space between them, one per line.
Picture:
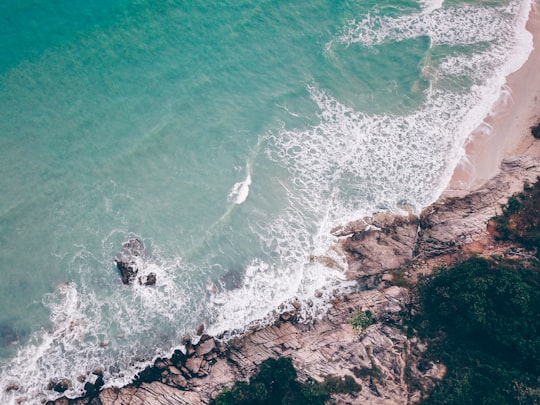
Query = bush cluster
x=276 y=383
x=484 y=319
x=361 y=320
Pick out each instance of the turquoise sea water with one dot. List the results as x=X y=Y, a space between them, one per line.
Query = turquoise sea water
x=230 y=137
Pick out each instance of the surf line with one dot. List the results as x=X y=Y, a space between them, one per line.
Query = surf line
x=237 y=196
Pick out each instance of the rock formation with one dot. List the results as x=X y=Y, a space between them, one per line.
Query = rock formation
x=128 y=260
x=130 y=263
x=380 y=358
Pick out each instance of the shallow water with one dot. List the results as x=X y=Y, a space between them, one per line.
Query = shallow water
x=230 y=138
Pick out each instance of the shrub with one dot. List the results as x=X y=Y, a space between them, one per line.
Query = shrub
x=361 y=320
x=275 y=383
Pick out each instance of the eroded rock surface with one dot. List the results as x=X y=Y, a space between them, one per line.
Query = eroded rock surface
x=451 y=223
x=378 y=358
x=386 y=242
x=379 y=243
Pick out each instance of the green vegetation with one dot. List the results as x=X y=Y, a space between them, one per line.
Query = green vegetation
x=277 y=383
x=520 y=219
x=361 y=320
x=483 y=318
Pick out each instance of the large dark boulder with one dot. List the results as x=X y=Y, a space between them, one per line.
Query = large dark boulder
x=149 y=279
x=128 y=259
x=131 y=263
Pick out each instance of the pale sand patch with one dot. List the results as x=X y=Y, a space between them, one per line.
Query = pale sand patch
x=516 y=111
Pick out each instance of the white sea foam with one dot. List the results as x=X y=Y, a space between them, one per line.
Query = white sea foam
x=240 y=190
x=113 y=327
x=456 y=111
x=348 y=165
x=430 y=5
x=445 y=26
x=352 y=163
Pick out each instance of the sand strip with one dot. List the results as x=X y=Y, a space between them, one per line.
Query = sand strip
x=514 y=113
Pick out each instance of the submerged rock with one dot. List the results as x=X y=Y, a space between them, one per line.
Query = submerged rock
x=8 y=335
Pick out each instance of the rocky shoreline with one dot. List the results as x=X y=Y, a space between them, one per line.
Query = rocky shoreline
x=385 y=253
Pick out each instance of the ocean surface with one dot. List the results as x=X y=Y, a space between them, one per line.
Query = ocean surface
x=230 y=137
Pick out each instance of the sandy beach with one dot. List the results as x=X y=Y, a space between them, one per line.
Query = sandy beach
x=506 y=130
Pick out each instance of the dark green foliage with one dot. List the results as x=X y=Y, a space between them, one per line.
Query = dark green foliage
x=276 y=383
x=520 y=219
x=489 y=314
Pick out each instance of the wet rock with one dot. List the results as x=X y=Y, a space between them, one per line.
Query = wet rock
x=127 y=260
x=175 y=377
x=178 y=358
x=12 y=387
x=98 y=371
x=177 y=380
x=160 y=364
x=92 y=389
x=286 y=316
x=254 y=326
x=186 y=339
x=200 y=330
x=149 y=279
x=174 y=370
x=59 y=384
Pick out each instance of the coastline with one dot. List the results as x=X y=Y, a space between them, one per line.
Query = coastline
x=505 y=131
x=509 y=137
x=387 y=364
